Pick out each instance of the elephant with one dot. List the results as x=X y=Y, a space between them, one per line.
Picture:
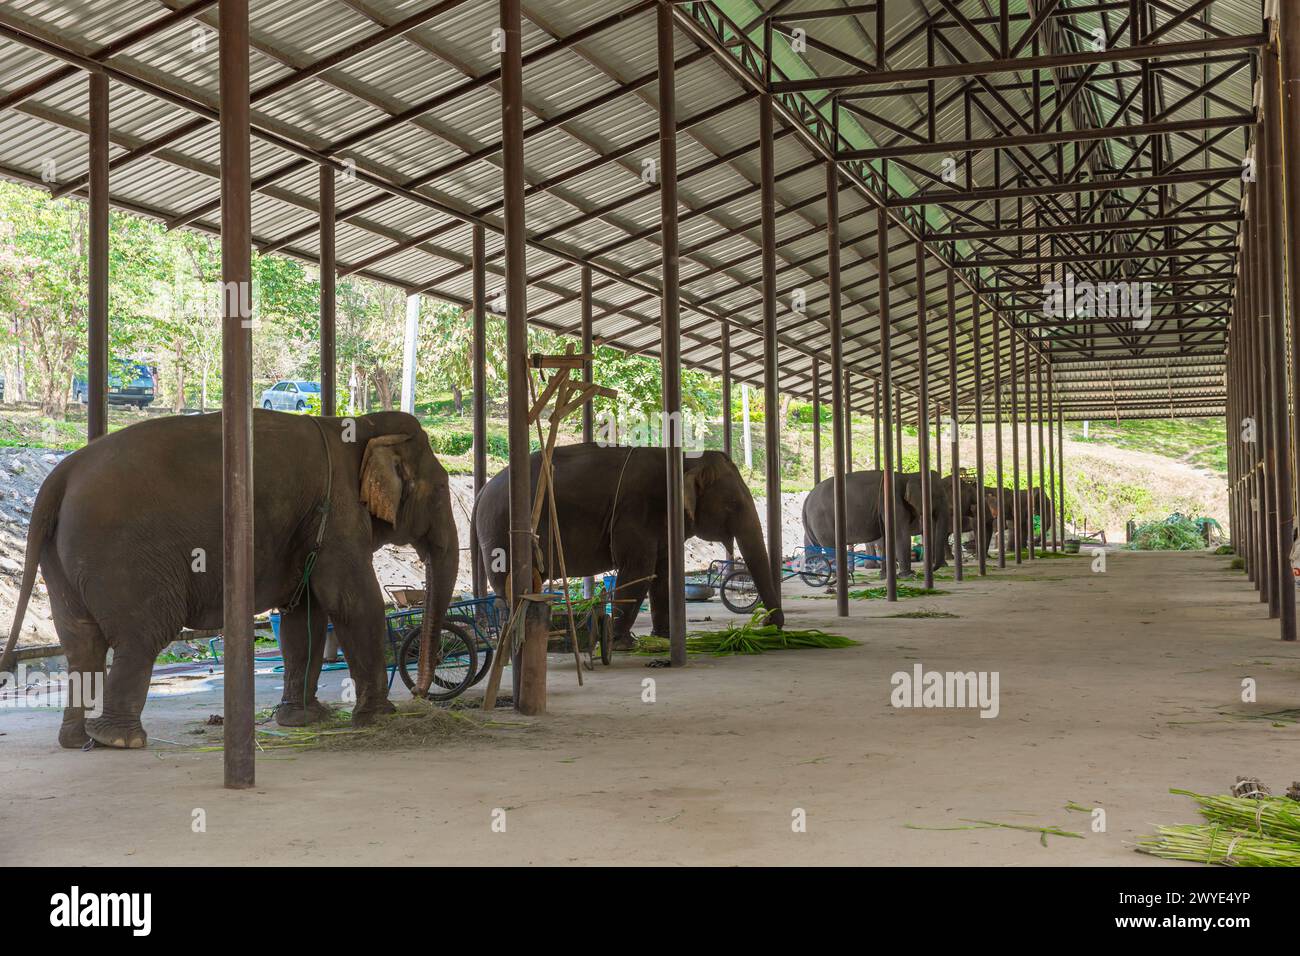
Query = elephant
x=611 y=506
x=863 y=496
x=128 y=533
x=971 y=500
x=1029 y=503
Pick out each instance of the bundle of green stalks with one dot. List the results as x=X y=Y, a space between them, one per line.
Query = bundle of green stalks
x=755 y=636
x=1242 y=831
x=904 y=591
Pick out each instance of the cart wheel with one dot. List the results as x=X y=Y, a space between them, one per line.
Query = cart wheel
x=452 y=674
x=816 y=571
x=482 y=645
x=739 y=593
x=606 y=638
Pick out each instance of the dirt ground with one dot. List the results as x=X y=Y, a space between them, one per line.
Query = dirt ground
x=1114 y=687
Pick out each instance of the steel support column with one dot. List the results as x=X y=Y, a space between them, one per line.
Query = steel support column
x=478 y=361
x=328 y=296
x=928 y=543
x=238 y=603
x=817 y=422
x=1014 y=404
x=1042 y=471
x=954 y=430
x=1051 y=460
x=1029 y=453
x=670 y=341
x=997 y=439
x=891 y=555
x=839 y=424
x=97 y=264
x=771 y=398
x=530 y=661
x=977 y=355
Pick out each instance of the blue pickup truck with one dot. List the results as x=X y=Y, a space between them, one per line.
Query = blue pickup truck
x=129 y=383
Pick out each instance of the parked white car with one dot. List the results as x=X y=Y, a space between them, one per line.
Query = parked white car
x=287 y=396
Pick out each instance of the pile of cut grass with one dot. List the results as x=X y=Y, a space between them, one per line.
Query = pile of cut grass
x=923 y=614
x=1242 y=831
x=904 y=591
x=416 y=725
x=753 y=637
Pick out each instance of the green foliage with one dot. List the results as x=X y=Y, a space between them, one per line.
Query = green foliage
x=1175 y=533
x=1201 y=442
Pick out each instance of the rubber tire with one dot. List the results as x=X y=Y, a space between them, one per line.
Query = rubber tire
x=410 y=653
x=734 y=606
x=818 y=574
x=301 y=406
x=483 y=648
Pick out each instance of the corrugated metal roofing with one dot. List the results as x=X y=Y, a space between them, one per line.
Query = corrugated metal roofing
x=587 y=198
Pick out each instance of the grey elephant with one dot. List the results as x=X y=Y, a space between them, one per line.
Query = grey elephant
x=864 y=499
x=1028 y=504
x=611 y=504
x=128 y=535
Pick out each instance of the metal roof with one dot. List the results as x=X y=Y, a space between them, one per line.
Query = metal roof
x=401 y=96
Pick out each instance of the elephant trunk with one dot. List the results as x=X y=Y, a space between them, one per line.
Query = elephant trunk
x=440 y=566
x=750 y=541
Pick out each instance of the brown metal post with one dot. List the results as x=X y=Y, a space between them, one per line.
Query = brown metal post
x=977 y=354
x=1051 y=461
x=771 y=397
x=891 y=555
x=938 y=442
x=1029 y=454
x=848 y=421
x=726 y=390
x=97 y=266
x=1272 y=176
x=478 y=359
x=1287 y=125
x=875 y=425
x=1256 y=230
x=328 y=297
x=529 y=662
x=1060 y=457
x=238 y=603
x=928 y=543
x=997 y=437
x=670 y=341
x=838 y=390
x=817 y=422
x=1038 y=422
x=1014 y=404
x=952 y=427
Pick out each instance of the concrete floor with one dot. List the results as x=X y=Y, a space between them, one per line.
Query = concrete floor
x=1114 y=687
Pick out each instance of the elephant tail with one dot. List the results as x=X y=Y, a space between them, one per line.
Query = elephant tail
x=39 y=531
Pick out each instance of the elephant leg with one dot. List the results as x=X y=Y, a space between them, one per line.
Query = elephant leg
x=628 y=600
x=86 y=650
x=903 y=548
x=303 y=652
x=356 y=608
x=125 y=690
x=660 y=604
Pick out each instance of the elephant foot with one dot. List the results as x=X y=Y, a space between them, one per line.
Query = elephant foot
x=906 y=573
x=72 y=734
x=366 y=717
x=624 y=642
x=292 y=714
x=124 y=733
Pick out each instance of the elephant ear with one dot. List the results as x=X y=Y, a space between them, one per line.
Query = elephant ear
x=695 y=482
x=382 y=476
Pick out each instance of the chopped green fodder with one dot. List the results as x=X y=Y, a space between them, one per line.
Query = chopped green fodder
x=1043 y=832
x=1237 y=564
x=752 y=637
x=904 y=591
x=1175 y=533
x=922 y=614
x=1242 y=831
x=1224 y=549
x=417 y=724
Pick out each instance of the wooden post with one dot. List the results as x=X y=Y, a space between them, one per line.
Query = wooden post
x=236 y=393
